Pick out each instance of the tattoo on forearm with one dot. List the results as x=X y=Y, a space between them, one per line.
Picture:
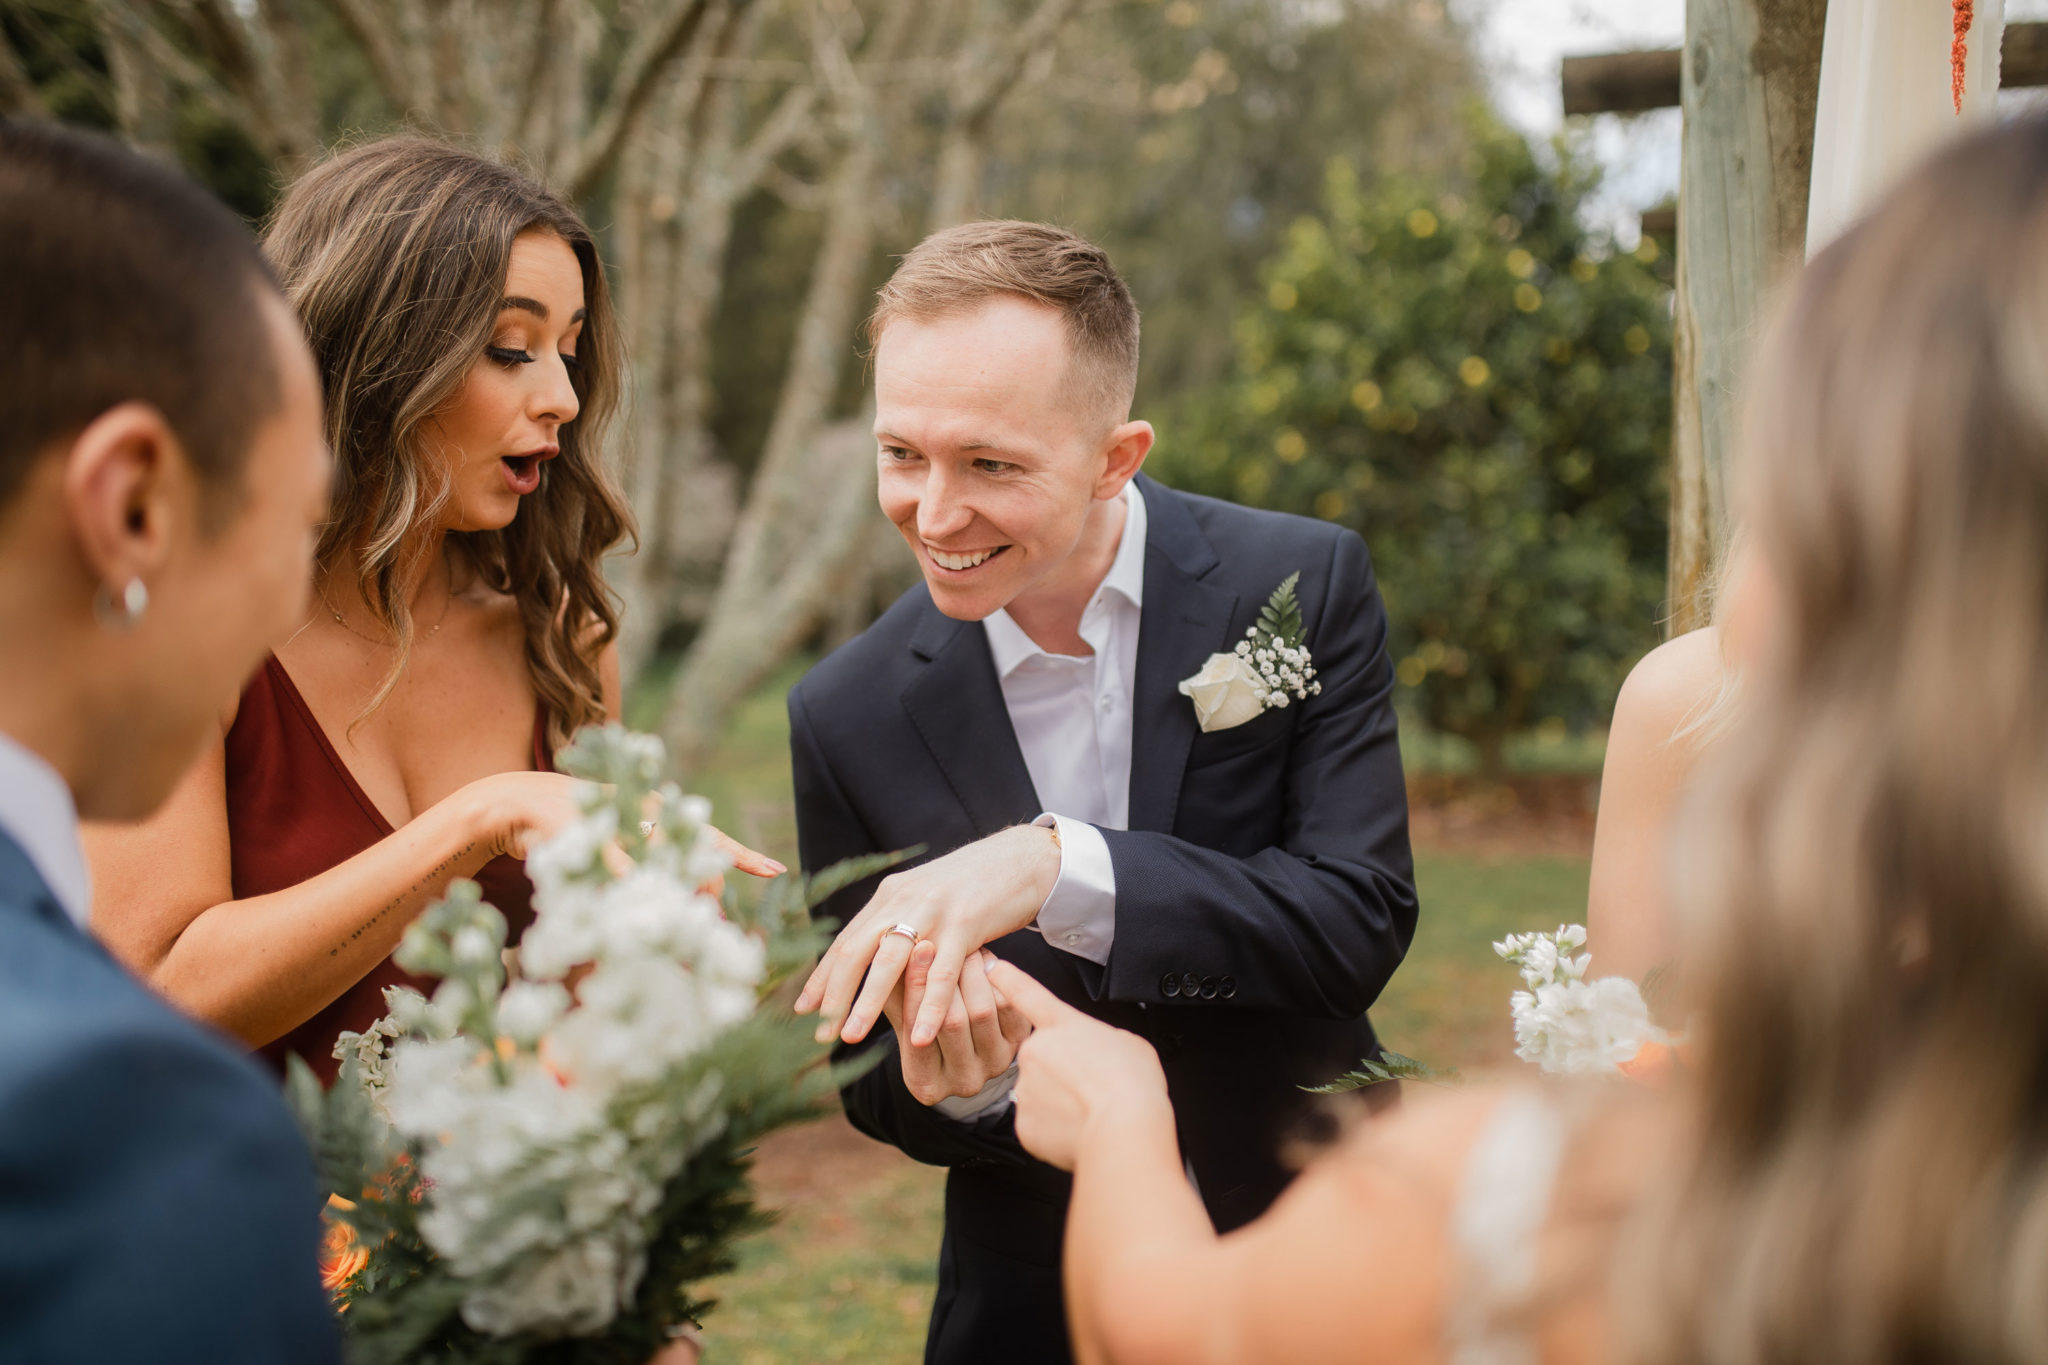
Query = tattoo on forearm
x=405 y=897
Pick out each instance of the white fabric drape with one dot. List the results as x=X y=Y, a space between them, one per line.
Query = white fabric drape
x=1885 y=100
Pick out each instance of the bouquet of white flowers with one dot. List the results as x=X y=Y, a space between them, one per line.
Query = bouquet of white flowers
x=1565 y=1023
x=541 y=1168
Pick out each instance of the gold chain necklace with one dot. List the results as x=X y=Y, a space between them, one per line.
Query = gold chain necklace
x=342 y=621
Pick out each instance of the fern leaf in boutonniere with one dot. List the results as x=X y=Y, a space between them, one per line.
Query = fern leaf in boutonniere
x=1269 y=667
x=1280 y=618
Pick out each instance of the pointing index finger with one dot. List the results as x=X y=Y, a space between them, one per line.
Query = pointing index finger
x=1028 y=997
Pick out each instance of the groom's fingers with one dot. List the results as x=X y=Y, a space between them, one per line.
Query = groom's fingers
x=891 y=956
x=1037 y=1004
x=979 y=1000
x=884 y=970
x=938 y=993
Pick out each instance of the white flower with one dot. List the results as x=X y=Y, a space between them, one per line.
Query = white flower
x=577 y=850
x=563 y=1128
x=1575 y=1027
x=1226 y=693
x=529 y=1009
x=576 y=1290
x=1563 y=1022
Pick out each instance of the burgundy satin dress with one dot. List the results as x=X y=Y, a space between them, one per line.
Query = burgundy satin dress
x=294 y=811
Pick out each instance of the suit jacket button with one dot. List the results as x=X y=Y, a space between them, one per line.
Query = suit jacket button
x=1190 y=984
x=1169 y=985
x=1227 y=987
x=1208 y=988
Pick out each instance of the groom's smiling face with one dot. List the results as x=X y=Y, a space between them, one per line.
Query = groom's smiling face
x=992 y=451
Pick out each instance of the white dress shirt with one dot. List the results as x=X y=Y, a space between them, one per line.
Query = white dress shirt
x=36 y=811
x=1072 y=715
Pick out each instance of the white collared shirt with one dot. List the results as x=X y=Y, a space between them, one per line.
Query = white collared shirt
x=1072 y=715
x=37 y=812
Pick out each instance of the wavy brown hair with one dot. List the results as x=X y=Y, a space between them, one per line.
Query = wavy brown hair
x=1864 y=874
x=395 y=253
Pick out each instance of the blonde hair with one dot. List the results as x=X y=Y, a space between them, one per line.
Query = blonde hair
x=1863 y=870
x=964 y=267
x=394 y=253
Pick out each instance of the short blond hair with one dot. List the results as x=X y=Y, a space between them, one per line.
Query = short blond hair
x=961 y=268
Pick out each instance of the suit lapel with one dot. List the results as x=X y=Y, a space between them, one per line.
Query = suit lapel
x=22 y=884
x=1185 y=620
x=955 y=702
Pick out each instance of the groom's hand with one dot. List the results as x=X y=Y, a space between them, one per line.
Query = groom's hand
x=977 y=1041
x=971 y=897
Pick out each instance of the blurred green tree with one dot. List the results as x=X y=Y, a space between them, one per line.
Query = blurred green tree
x=1479 y=382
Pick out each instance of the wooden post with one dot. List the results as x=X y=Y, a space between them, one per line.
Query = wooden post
x=1751 y=78
x=1748 y=78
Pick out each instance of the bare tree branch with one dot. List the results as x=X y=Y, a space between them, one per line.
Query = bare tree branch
x=808 y=501
x=540 y=47
x=17 y=93
x=983 y=86
x=289 y=78
x=52 y=46
x=1000 y=77
x=377 y=38
x=785 y=125
x=142 y=97
x=794 y=191
x=146 y=66
x=639 y=75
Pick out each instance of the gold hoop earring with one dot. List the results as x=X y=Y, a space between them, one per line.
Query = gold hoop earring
x=122 y=612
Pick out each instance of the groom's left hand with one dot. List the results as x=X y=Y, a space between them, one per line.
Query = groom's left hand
x=977 y=1043
x=970 y=897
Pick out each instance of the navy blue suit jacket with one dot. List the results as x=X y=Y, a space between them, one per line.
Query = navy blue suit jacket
x=156 y=1201
x=1264 y=890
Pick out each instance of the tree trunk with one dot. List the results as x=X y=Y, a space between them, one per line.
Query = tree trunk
x=142 y=89
x=1751 y=79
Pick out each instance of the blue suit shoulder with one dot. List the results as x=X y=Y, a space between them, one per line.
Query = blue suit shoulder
x=1247 y=536
x=878 y=652
x=175 y=1214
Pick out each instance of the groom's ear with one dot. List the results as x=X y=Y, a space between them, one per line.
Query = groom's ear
x=1129 y=444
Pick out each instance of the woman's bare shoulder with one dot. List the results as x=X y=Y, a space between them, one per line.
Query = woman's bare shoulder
x=1672 y=686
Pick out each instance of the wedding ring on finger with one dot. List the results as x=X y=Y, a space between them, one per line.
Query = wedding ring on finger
x=908 y=931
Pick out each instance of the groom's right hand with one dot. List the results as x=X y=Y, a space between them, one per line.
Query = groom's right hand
x=977 y=1042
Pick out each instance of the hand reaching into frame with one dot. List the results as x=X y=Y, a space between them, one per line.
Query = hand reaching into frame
x=969 y=898
x=1076 y=1074
x=976 y=1042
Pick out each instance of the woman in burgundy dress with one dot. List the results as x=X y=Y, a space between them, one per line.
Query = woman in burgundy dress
x=461 y=629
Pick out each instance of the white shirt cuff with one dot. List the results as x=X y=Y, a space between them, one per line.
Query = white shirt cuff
x=1079 y=917
x=990 y=1099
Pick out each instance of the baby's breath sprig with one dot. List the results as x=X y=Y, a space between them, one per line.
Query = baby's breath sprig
x=1276 y=651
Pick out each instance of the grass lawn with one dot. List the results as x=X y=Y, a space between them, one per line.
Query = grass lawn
x=848 y=1273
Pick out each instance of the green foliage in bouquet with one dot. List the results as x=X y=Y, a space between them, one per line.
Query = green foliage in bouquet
x=1478 y=382
x=1388 y=1066
x=539 y=1170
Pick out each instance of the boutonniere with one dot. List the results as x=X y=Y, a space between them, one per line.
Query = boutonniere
x=1270 y=665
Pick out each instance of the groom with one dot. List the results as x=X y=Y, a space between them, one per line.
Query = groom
x=1237 y=895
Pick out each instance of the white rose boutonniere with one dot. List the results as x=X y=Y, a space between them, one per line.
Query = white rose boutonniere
x=1269 y=667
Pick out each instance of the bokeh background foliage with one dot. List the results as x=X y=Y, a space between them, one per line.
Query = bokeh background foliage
x=1365 y=299
x=1479 y=383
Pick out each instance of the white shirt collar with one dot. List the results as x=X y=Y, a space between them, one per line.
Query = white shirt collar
x=37 y=812
x=1008 y=643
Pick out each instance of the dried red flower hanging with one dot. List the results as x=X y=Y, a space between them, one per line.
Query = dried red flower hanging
x=1965 y=13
